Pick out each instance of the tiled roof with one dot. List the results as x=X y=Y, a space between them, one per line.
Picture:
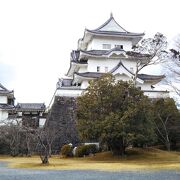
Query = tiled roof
x=2 y=87
x=4 y=90
x=121 y=32
x=117 y=66
x=147 y=77
x=95 y=52
x=107 y=22
x=90 y=74
x=75 y=57
x=144 y=77
x=102 y=52
x=6 y=106
x=136 y=54
x=115 y=33
x=31 y=106
x=107 y=52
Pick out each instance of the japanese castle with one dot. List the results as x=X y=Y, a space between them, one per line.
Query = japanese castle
x=6 y=103
x=107 y=49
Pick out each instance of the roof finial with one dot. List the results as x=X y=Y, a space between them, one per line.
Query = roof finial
x=111 y=15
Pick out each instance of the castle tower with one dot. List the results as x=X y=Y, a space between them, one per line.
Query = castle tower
x=107 y=49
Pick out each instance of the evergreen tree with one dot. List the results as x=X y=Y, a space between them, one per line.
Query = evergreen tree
x=114 y=113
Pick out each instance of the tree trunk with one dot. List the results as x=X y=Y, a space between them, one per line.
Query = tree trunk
x=119 y=152
x=45 y=160
x=28 y=150
x=118 y=149
x=168 y=146
x=50 y=150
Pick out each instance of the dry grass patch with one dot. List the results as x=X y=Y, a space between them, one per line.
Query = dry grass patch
x=136 y=159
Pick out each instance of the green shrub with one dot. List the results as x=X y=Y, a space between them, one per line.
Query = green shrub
x=81 y=151
x=66 y=150
x=92 y=148
x=85 y=150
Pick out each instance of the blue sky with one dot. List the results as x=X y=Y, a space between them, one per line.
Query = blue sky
x=37 y=36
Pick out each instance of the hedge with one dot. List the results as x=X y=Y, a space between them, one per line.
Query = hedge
x=66 y=150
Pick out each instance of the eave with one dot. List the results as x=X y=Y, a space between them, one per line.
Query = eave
x=120 y=53
x=74 y=67
x=6 y=107
x=153 y=79
x=141 y=78
x=79 y=77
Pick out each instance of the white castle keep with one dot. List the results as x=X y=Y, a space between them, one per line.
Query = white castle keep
x=107 y=49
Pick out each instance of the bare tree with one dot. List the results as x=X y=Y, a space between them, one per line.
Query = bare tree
x=10 y=128
x=166 y=121
x=150 y=51
x=51 y=134
x=162 y=130
x=19 y=137
x=173 y=67
x=42 y=146
x=29 y=139
x=46 y=137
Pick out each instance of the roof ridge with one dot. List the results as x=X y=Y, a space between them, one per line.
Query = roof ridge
x=108 y=21
x=3 y=87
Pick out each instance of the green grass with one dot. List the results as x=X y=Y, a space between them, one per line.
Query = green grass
x=136 y=159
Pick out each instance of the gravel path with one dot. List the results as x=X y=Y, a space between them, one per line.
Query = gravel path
x=26 y=174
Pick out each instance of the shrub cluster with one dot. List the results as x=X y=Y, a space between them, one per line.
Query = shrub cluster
x=4 y=147
x=85 y=150
x=66 y=150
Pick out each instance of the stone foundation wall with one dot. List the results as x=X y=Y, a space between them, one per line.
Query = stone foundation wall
x=62 y=118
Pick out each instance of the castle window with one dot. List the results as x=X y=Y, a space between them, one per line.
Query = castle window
x=106 y=69
x=10 y=101
x=119 y=46
x=106 y=46
x=98 y=68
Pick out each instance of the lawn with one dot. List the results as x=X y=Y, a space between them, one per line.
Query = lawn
x=136 y=159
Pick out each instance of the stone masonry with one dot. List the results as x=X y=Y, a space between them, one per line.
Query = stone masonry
x=62 y=118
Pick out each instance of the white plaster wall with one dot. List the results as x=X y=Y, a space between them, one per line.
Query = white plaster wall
x=93 y=63
x=3 y=99
x=3 y=115
x=84 y=84
x=157 y=94
x=82 y=69
x=90 y=45
x=122 y=77
x=129 y=63
x=42 y=122
x=112 y=26
x=145 y=86
x=110 y=63
x=69 y=92
x=97 y=43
